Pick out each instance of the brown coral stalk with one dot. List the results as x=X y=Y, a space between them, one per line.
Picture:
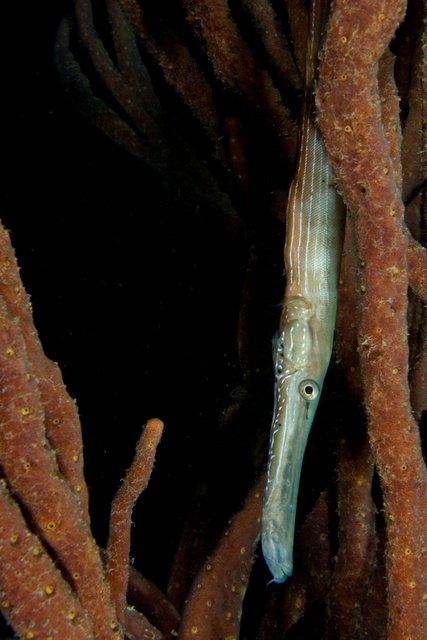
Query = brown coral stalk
x=357 y=549
x=214 y=606
x=350 y=118
x=34 y=597
x=133 y=485
x=61 y=417
x=30 y=466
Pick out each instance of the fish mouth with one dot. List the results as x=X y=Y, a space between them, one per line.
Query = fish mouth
x=295 y=407
x=277 y=555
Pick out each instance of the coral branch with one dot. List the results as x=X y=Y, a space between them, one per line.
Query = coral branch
x=180 y=70
x=357 y=549
x=274 y=41
x=60 y=413
x=121 y=512
x=234 y=63
x=30 y=466
x=138 y=627
x=417 y=267
x=214 y=606
x=33 y=595
x=145 y=596
x=351 y=122
x=291 y=602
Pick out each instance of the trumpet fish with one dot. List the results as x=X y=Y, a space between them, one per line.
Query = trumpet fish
x=303 y=344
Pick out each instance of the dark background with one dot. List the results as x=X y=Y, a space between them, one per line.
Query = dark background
x=135 y=296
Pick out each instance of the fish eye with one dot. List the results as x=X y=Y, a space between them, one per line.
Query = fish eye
x=309 y=389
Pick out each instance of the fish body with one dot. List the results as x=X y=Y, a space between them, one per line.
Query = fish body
x=303 y=344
